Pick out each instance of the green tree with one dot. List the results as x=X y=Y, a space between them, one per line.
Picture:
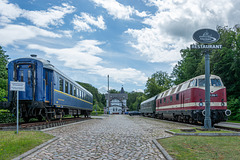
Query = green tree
x=159 y=82
x=3 y=74
x=225 y=62
x=134 y=100
x=189 y=66
x=98 y=98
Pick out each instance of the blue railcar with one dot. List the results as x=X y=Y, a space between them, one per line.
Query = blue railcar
x=49 y=93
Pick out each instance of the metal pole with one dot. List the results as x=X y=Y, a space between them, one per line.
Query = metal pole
x=207 y=120
x=108 y=96
x=17 y=109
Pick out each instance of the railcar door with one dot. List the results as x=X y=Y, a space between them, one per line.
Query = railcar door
x=24 y=73
x=47 y=83
x=182 y=101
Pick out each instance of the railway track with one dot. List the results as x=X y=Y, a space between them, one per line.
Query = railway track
x=40 y=125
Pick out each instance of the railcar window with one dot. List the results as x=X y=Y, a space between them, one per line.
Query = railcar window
x=66 y=86
x=201 y=82
x=171 y=99
x=60 y=84
x=77 y=92
x=71 y=89
x=216 y=82
x=166 y=93
x=177 y=97
x=179 y=88
x=46 y=77
x=21 y=76
x=164 y=100
x=74 y=91
x=173 y=90
x=160 y=101
x=29 y=76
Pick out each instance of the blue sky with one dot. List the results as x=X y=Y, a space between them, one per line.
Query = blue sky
x=128 y=40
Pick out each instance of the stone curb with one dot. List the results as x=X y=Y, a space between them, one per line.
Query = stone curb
x=164 y=152
x=48 y=129
x=202 y=134
x=35 y=149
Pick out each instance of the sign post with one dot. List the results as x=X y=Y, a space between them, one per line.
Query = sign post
x=206 y=37
x=17 y=86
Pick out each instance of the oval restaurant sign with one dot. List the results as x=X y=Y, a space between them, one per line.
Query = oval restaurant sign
x=206 y=36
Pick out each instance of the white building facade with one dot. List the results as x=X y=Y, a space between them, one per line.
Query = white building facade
x=117 y=103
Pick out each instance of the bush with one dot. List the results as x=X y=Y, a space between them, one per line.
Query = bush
x=98 y=113
x=234 y=106
x=6 y=117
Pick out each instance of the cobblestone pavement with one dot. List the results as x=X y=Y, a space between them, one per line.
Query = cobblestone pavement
x=114 y=137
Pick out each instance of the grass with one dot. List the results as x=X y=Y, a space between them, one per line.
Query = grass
x=200 y=147
x=233 y=121
x=198 y=131
x=13 y=145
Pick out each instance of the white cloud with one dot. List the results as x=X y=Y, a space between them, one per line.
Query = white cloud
x=12 y=33
x=138 y=90
x=53 y=16
x=172 y=26
x=117 y=10
x=67 y=33
x=8 y=12
x=83 y=22
x=86 y=55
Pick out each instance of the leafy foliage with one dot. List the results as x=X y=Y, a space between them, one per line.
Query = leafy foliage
x=159 y=82
x=134 y=100
x=98 y=99
x=3 y=74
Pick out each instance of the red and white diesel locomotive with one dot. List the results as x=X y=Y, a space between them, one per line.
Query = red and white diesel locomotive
x=186 y=102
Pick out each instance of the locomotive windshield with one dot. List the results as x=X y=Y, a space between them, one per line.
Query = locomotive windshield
x=201 y=82
x=214 y=82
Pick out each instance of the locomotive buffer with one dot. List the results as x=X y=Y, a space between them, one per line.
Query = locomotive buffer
x=206 y=37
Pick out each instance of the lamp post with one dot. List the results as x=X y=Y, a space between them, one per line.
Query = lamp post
x=206 y=37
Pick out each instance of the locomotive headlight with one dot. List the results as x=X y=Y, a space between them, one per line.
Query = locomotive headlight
x=222 y=104
x=227 y=112
x=200 y=104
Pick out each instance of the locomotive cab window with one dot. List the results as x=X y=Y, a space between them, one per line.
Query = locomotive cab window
x=193 y=83
x=60 y=84
x=216 y=82
x=201 y=82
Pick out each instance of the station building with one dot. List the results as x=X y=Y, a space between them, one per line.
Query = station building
x=117 y=102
